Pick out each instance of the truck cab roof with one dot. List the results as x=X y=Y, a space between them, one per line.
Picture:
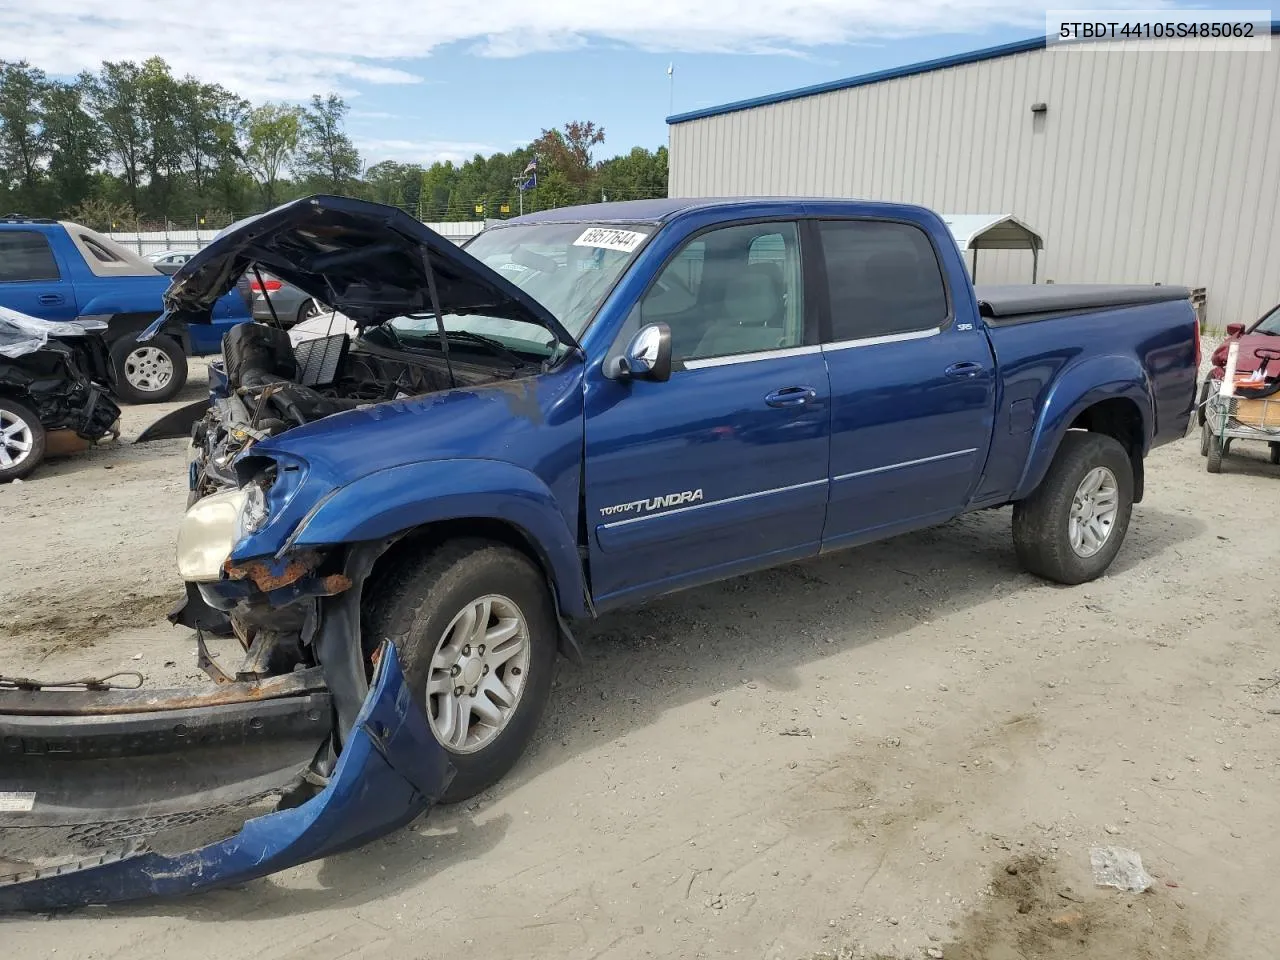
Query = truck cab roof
x=663 y=209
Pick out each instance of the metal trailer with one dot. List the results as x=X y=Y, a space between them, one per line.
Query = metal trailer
x=1230 y=417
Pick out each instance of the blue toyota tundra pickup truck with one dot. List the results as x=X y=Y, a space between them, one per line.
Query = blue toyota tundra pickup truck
x=394 y=526
x=57 y=270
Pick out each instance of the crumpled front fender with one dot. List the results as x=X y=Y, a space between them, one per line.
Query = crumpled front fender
x=391 y=769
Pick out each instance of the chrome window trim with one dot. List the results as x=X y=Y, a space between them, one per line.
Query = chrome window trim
x=887 y=338
x=905 y=463
x=799 y=351
x=713 y=503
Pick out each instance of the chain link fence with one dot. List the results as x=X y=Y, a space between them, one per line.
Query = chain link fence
x=174 y=236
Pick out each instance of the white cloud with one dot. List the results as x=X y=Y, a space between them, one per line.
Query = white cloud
x=425 y=152
x=293 y=48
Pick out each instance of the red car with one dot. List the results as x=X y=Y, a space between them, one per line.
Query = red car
x=1264 y=332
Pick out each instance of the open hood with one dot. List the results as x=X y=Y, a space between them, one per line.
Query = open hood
x=363 y=259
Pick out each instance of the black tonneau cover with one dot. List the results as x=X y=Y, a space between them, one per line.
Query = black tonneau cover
x=1004 y=302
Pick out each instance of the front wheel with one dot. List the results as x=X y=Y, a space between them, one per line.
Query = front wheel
x=476 y=632
x=1202 y=409
x=1071 y=528
x=150 y=372
x=22 y=440
x=1275 y=454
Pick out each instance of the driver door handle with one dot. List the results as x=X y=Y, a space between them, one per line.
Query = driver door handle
x=792 y=397
x=963 y=370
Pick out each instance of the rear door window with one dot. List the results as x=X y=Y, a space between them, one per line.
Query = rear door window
x=26 y=255
x=883 y=279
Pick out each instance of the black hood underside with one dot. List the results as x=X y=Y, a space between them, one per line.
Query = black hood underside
x=366 y=260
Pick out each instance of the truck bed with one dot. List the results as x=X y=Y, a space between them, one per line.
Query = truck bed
x=1019 y=303
x=1085 y=327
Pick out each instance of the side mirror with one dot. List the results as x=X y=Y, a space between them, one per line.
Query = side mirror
x=647 y=357
x=1235 y=329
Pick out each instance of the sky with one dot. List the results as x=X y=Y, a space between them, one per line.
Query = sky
x=434 y=80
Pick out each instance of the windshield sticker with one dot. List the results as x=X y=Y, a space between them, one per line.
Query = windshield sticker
x=609 y=239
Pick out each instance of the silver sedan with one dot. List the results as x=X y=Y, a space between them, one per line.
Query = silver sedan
x=291 y=304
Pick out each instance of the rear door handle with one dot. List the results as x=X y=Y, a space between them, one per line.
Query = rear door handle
x=963 y=370
x=791 y=397
x=51 y=298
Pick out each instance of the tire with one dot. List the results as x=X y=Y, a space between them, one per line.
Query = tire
x=1042 y=523
x=306 y=310
x=1205 y=434
x=1215 y=454
x=1204 y=397
x=1275 y=454
x=150 y=372
x=22 y=440
x=420 y=599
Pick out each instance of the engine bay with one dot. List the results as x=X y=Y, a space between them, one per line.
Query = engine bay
x=275 y=384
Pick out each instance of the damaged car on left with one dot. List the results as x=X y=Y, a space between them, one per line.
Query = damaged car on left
x=55 y=380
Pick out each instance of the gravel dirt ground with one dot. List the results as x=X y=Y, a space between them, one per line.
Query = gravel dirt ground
x=903 y=751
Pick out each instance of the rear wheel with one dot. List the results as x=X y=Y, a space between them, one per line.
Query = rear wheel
x=307 y=311
x=476 y=632
x=22 y=440
x=1205 y=434
x=150 y=372
x=1275 y=453
x=1215 y=454
x=1071 y=528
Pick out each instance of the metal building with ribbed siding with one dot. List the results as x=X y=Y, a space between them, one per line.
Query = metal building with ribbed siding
x=1135 y=167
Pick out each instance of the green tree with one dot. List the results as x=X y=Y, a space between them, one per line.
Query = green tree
x=273 y=132
x=115 y=97
x=75 y=144
x=207 y=118
x=437 y=187
x=327 y=158
x=635 y=175
x=104 y=215
x=396 y=184
x=159 y=96
x=24 y=142
x=569 y=151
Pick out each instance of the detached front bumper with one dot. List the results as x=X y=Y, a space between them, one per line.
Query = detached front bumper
x=127 y=780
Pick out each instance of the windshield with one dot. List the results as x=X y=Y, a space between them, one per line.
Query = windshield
x=567 y=267
x=1269 y=324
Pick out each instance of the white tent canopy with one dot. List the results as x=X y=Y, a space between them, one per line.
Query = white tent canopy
x=993 y=231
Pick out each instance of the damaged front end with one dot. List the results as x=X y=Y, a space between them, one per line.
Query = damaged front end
x=78 y=765
x=307 y=744
x=62 y=373
x=307 y=723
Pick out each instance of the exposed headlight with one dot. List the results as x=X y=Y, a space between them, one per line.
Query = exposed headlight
x=213 y=525
x=253 y=515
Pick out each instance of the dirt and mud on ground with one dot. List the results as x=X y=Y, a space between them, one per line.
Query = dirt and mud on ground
x=903 y=751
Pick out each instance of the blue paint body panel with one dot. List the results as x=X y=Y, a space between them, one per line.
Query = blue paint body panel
x=390 y=771
x=79 y=292
x=630 y=489
x=626 y=489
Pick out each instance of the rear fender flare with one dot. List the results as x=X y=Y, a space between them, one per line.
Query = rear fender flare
x=395 y=501
x=1079 y=388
